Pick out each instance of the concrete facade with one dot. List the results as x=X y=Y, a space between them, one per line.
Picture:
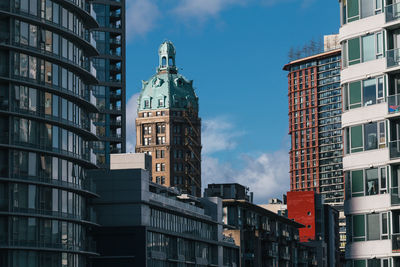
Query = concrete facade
x=370 y=120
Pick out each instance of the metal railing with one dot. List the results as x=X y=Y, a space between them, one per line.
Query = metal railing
x=394 y=149
x=393 y=103
x=392 y=12
x=396 y=242
x=393 y=57
x=174 y=203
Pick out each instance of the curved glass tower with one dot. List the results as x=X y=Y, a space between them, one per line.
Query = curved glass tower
x=45 y=125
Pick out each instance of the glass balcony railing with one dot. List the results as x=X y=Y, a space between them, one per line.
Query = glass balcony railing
x=393 y=57
x=396 y=242
x=394 y=149
x=392 y=12
x=393 y=104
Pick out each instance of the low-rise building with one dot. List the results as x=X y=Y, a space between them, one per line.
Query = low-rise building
x=276 y=205
x=264 y=237
x=146 y=224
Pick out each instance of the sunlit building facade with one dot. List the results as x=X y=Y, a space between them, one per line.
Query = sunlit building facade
x=369 y=36
x=168 y=126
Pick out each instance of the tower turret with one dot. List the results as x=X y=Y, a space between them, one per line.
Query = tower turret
x=167 y=54
x=168 y=126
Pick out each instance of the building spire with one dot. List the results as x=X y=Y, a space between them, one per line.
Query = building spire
x=167 y=53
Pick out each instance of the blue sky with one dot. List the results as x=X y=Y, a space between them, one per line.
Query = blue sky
x=234 y=50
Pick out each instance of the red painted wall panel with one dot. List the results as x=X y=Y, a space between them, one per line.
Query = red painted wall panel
x=301 y=208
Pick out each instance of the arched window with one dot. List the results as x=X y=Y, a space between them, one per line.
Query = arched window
x=164 y=62
x=171 y=62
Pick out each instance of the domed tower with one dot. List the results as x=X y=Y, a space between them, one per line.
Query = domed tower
x=168 y=126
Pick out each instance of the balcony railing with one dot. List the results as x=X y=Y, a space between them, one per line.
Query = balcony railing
x=393 y=57
x=394 y=149
x=392 y=12
x=396 y=242
x=92 y=98
x=393 y=104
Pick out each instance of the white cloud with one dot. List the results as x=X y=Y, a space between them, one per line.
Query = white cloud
x=267 y=174
x=131 y=114
x=218 y=134
x=202 y=9
x=141 y=17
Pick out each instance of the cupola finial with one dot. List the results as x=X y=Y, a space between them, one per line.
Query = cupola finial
x=167 y=56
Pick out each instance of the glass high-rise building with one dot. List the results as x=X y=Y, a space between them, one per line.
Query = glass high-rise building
x=110 y=66
x=46 y=132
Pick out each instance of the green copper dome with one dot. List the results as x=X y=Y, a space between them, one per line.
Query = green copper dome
x=167 y=89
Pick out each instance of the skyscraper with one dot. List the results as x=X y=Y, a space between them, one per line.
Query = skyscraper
x=168 y=126
x=110 y=91
x=315 y=108
x=369 y=36
x=315 y=127
x=46 y=130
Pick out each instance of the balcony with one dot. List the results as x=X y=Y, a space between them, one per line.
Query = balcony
x=285 y=255
x=93 y=157
x=394 y=149
x=92 y=127
x=116 y=95
x=92 y=12
x=116 y=14
x=396 y=242
x=92 y=99
x=393 y=104
x=393 y=57
x=115 y=41
x=116 y=122
x=115 y=68
x=392 y=12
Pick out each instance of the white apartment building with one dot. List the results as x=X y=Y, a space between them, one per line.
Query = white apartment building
x=370 y=79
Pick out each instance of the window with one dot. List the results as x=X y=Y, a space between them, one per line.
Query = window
x=366 y=137
x=160 y=154
x=363 y=49
x=356 y=138
x=161 y=102
x=353 y=10
x=370 y=136
x=373 y=229
x=160 y=128
x=357 y=183
x=368 y=182
x=146 y=130
x=358 y=228
x=160 y=140
x=158 y=167
x=372 y=181
x=147 y=141
x=147 y=104
x=368 y=47
x=162 y=166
